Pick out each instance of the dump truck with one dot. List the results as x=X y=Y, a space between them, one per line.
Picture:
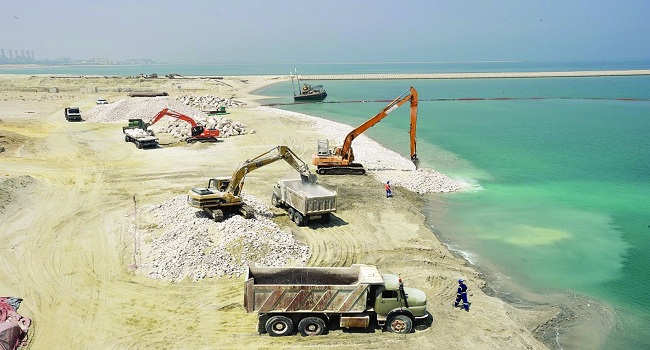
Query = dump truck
x=72 y=114
x=305 y=202
x=315 y=298
x=136 y=132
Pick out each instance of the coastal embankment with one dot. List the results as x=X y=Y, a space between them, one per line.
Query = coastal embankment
x=78 y=268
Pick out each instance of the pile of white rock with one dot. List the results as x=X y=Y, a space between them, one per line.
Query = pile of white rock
x=182 y=242
x=380 y=162
x=208 y=102
x=146 y=108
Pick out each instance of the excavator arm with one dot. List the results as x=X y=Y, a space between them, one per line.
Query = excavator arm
x=268 y=157
x=171 y=113
x=410 y=95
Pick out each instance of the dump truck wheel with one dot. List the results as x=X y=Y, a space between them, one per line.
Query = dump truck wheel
x=274 y=201
x=138 y=145
x=126 y=139
x=400 y=324
x=291 y=211
x=298 y=218
x=311 y=326
x=278 y=326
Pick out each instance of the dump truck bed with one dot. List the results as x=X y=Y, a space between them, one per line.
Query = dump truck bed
x=318 y=289
x=309 y=199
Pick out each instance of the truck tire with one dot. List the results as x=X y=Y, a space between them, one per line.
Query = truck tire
x=309 y=326
x=291 y=211
x=138 y=145
x=299 y=219
x=274 y=201
x=401 y=324
x=278 y=326
x=126 y=138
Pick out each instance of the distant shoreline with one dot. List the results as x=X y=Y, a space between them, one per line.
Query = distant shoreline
x=391 y=76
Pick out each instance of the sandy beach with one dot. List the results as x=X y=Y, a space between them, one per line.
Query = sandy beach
x=69 y=192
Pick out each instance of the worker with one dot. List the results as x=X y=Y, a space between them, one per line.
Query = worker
x=461 y=294
x=389 y=193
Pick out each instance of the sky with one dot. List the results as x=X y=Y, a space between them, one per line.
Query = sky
x=330 y=31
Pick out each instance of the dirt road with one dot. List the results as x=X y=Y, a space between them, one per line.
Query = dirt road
x=68 y=242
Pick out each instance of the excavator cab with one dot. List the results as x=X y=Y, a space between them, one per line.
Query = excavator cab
x=220 y=183
x=197 y=130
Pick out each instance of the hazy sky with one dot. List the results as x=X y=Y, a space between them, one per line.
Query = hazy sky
x=328 y=31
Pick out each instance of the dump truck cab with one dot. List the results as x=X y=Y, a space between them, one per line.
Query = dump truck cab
x=392 y=299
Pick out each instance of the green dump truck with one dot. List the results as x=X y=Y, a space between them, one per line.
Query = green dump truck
x=316 y=299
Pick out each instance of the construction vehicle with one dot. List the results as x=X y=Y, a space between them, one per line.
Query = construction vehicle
x=72 y=114
x=314 y=298
x=340 y=161
x=198 y=131
x=136 y=131
x=304 y=202
x=224 y=193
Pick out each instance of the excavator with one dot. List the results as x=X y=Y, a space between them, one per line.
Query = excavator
x=340 y=161
x=198 y=132
x=223 y=194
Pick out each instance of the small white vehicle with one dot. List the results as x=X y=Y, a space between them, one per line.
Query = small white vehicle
x=101 y=101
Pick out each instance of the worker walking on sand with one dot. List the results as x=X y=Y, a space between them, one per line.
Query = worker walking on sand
x=461 y=294
x=389 y=193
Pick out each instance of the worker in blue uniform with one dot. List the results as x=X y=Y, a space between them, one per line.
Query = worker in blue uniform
x=461 y=294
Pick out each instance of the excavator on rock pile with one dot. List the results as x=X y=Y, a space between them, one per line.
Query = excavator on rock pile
x=340 y=161
x=198 y=132
x=223 y=194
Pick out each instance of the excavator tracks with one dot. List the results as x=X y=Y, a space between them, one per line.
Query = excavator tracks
x=354 y=169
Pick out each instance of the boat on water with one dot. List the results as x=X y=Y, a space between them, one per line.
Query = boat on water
x=311 y=93
x=307 y=92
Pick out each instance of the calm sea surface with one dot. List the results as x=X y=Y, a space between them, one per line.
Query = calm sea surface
x=561 y=170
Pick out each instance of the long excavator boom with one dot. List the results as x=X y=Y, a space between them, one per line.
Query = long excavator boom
x=341 y=160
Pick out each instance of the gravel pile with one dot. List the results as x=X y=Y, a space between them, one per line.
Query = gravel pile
x=182 y=241
x=208 y=102
x=147 y=108
x=381 y=163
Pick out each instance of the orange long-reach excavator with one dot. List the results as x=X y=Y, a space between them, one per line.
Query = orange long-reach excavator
x=198 y=131
x=340 y=161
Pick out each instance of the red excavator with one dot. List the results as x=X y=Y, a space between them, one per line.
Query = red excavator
x=199 y=132
x=340 y=160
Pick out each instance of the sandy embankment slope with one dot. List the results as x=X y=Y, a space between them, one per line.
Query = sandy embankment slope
x=68 y=246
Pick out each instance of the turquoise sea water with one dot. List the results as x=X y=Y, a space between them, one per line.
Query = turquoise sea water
x=564 y=192
x=562 y=170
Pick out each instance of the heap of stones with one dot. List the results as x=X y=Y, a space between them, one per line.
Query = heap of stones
x=146 y=108
x=208 y=102
x=182 y=242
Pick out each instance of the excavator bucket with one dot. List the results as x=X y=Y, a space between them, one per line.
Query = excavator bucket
x=308 y=178
x=416 y=161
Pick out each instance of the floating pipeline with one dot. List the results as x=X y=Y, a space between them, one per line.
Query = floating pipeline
x=633 y=99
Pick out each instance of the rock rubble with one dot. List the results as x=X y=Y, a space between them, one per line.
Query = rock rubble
x=147 y=108
x=182 y=242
